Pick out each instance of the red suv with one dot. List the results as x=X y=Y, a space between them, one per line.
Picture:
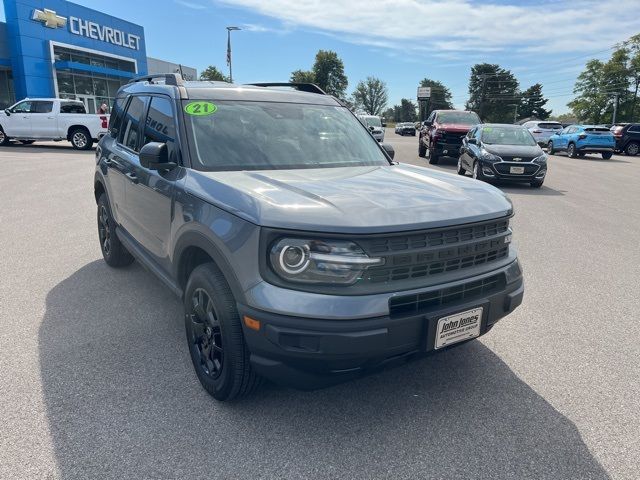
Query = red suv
x=441 y=134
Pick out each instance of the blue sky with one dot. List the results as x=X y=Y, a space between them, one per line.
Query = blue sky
x=399 y=41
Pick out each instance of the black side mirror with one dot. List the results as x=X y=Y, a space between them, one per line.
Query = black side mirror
x=427 y=123
x=389 y=149
x=7 y=111
x=370 y=128
x=472 y=141
x=154 y=156
x=384 y=125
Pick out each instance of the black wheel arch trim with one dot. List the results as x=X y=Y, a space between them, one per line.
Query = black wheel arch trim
x=195 y=238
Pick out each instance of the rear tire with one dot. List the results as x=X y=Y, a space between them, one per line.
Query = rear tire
x=81 y=139
x=550 y=148
x=632 y=149
x=607 y=155
x=218 y=351
x=571 y=151
x=422 y=150
x=113 y=252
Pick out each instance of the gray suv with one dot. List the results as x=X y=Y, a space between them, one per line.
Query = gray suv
x=303 y=253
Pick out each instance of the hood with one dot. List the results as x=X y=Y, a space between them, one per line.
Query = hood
x=525 y=151
x=454 y=127
x=350 y=199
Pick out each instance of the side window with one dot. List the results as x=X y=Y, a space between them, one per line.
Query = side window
x=117 y=112
x=478 y=134
x=42 y=107
x=22 y=107
x=159 y=125
x=634 y=128
x=130 y=135
x=72 y=107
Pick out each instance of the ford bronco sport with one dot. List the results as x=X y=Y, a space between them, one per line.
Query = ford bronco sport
x=302 y=252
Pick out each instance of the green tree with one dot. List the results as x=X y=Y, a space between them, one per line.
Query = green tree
x=328 y=72
x=532 y=103
x=633 y=46
x=492 y=92
x=212 y=73
x=440 y=96
x=407 y=111
x=371 y=95
x=302 y=76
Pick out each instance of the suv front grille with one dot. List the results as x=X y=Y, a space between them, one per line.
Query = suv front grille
x=423 y=302
x=452 y=138
x=423 y=270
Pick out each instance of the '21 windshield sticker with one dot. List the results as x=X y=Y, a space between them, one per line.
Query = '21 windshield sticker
x=200 y=108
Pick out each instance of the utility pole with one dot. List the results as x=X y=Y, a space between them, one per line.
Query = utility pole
x=229 y=29
x=616 y=96
x=515 y=114
x=481 y=107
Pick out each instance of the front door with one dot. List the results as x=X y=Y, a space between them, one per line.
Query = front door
x=89 y=103
x=18 y=124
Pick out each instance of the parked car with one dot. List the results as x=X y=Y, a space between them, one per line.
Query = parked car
x=542 y=130
x=441 y=134
x=502 y=152
x=303 y=254
x=627 y=138
x=578 y=140
x=398 y=127
x=375 y=126
x=51 y=119
x=407 y=129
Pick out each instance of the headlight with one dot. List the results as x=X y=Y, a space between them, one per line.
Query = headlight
x=490 y=156
x=320 y=261
x=541 y=159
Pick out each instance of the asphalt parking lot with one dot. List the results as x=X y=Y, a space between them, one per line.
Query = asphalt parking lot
x=96 y=379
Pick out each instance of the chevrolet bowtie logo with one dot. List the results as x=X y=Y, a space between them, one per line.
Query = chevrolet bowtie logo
x=49 y=18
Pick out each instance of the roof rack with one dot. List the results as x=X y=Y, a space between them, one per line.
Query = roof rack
x=174 y=79
x=303 y=87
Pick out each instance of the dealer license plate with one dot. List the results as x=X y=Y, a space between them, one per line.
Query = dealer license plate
x=458 y=327
x=516 y=170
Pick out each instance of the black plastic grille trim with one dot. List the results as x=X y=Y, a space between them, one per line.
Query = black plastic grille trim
x=423 y=302
x=417 y=271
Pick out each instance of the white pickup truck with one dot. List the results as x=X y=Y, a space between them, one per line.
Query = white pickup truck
x=52 y=119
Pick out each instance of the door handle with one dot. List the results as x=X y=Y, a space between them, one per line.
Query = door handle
x=132 y=176
x=50 y=118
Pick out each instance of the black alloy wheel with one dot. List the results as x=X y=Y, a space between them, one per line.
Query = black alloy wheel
x=206 y=334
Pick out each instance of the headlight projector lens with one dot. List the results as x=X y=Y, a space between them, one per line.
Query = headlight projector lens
x=294 y=259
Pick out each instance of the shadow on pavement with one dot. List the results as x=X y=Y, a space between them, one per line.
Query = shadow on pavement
x=62 y=146
x=122 y=401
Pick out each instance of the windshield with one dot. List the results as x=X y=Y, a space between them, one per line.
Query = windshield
x=373 y=121
x=464 y=118
x=507 y=136
x=269 y=136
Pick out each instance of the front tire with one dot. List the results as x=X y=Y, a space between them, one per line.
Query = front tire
x=536 y=183
x=550 y=148
x=218 y=351
x=607 y=155
x=433 y=158
x=113 y=252
x=632 y=149
x=4 y=139
x=461 y=169
x=80 y=139
x=422 y=150
x=571 y=151
x=477 y=172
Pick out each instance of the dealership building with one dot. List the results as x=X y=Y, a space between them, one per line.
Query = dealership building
x=55 y=48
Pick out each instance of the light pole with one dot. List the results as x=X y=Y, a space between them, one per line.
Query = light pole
x=515 y=114
x=229 y=50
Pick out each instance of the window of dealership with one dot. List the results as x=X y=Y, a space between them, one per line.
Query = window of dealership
x=56 y=48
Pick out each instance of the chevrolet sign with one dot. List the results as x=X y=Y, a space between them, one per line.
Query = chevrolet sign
x=88 y=29
x=49 y=18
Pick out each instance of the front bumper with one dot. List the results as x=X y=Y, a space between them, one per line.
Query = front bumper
x=447 y=149
x=308 y=353
x=501 y=171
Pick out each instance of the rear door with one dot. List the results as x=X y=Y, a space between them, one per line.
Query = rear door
x=43 y=120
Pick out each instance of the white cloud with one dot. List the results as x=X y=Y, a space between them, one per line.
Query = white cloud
x=191 y=5
x=459 y=25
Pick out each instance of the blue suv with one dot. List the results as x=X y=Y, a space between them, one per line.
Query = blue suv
x=301 y=251
x=578 y=140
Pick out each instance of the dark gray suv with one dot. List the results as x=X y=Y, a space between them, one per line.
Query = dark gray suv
x=302 y=252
